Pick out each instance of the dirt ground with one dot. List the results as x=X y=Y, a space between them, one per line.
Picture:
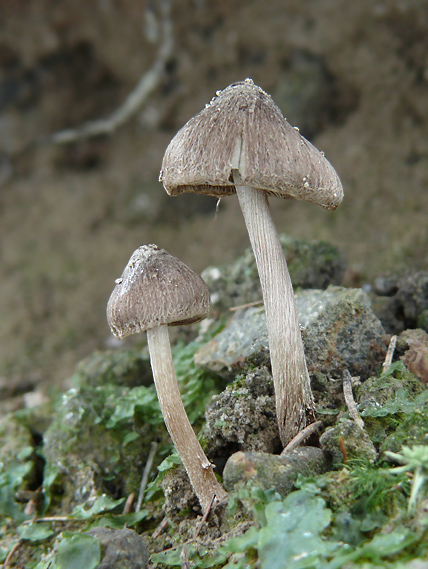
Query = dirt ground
x=352 y=76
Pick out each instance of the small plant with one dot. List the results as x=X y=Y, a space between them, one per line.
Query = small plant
x=415 y=460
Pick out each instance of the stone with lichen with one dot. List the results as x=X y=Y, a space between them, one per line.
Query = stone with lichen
x=243 y=417
x=100 y=436
x=346 y=440
x=269 y=471
x=339 y=330
x=312 y=264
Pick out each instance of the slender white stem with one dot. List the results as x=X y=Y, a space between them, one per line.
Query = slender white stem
x=198 y=467
x=294 y=402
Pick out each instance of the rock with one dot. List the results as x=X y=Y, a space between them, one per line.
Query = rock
x=121 y=549
x=86 y=443
x=180 y=499
x=312 y=264
x=273 y=471
x=408 y=307
x=379 y=390
x=414 y=343
x=18 y=469
x=339 y=330
x=242 y=342
x=242 y=417
x=356 y=441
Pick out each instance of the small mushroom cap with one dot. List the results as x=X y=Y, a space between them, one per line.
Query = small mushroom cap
x=156 y=288
x=242 y=129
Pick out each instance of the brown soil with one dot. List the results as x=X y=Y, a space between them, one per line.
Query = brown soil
x=353 y=76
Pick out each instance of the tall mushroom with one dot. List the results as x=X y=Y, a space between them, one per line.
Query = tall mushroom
x=240 y=143
x=157 y=290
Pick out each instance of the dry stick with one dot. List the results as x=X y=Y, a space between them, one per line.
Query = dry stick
x=163 y=525
x=53 y=519
x=147 y=84
x=255 y=303
x=184 y=559
x=343 y=450
x=11 y=553
x=205 y=517
x=146 y=474
x=302 y=436
x=128 y=504
x=390 y=353
x=349 y=399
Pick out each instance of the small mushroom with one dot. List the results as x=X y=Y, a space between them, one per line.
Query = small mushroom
x=156 y=290
x=240 y=143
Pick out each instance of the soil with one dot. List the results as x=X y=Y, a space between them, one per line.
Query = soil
x=353 y=76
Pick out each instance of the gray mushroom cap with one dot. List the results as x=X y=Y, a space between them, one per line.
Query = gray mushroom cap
x=156 y=288
x=242 y=129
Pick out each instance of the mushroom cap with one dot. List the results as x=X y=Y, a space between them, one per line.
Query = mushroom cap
x=156 y=288
x=242 y=129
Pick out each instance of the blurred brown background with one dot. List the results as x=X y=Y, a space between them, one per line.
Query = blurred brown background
x=352 y=75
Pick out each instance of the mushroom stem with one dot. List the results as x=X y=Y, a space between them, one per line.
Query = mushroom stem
x=198 y=467
x=294 y=402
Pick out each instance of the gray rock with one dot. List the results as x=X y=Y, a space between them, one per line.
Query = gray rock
x=243 y=417
x=356 y=441
x=312 y=264
x=339 y=330
x=408 y=307
x=121 y=549
x=85 y=441
x=414 y=345
x=273 y=471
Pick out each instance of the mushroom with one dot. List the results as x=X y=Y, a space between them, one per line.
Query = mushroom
x=157 y=290
x=241 y=143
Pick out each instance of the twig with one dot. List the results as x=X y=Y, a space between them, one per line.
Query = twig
x=343 y=450
x=53 y=519
x=163 y=525
x=11 y=553
x=128 y=504
x=390 y=353
x=184 y=559
x=148 y=82
x=145 y=477
x=349 y=399
x=302 y=436
x=205 y=516
x=246 y=305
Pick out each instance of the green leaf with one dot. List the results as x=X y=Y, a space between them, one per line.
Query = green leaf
x=130 y=437
x=120 y=520
x=292 y=536
x=381 y=546
x=35 y=532
x=139 y=398
x=102 y=504
x=78 y=551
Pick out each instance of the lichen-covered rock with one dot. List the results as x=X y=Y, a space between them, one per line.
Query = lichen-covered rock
x=384 y=388
x=242 y=417
x=414 y=347
x=100 y=437
x=121 y=549
x=312 y=264
x=407 y=307
x=17 y=465
x=180 y=499
x=273 y=471
x=355 y=440
x=339 y=330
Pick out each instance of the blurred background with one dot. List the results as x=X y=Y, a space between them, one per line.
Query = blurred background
x=353 y=76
